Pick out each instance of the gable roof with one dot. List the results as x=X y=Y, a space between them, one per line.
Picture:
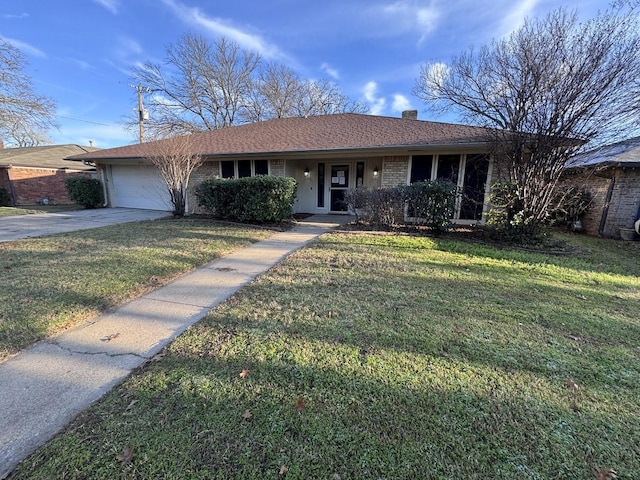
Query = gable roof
x=48 y=156
x=620 y=154
x=345 y=132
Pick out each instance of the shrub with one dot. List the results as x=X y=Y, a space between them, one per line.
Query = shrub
x=507 y=219
x=569 y=205
x=432 y=203
x=379 y=207
x=259 y=199
x=5 y=199
x=85 y=191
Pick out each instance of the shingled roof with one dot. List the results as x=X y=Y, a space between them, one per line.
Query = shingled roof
x=339 y=133
x=47 y=156
x=621 y=154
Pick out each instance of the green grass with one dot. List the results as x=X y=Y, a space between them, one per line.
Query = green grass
x=50 y=283
x=35 y=209
x=413 y=357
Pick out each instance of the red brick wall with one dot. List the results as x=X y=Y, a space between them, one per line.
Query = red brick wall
x=31 y=185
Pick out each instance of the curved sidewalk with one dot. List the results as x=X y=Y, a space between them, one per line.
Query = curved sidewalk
x=46 y=386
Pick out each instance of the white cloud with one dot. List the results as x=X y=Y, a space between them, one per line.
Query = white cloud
x=101 y=135
x=111 y=5
x=376 y=104
x=13 y=16
x=516 y=14
x=128 y=46
x=329 y=70
x=400 y=103
x=195 y=17
x=81 y=64
x=25 y=47
x=408 y=16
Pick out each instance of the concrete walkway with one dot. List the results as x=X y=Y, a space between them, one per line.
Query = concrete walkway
x=26 y=226
x=44 y=387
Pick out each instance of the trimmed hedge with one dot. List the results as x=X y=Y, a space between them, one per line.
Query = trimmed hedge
x=431 y=204
x=85 y=191
x=259 y=199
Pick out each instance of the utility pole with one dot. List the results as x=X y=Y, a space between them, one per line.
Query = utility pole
x=142 y=114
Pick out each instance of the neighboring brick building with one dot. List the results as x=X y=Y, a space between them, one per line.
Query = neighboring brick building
x=33 y=175
x=612 y=175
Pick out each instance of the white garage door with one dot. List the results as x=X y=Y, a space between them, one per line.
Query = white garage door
x=138 y=187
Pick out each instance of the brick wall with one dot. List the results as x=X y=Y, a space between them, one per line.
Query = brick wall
x=31 y=185
x=205 y=171
x=276 y=168
x=395 y=171
x=623 y=206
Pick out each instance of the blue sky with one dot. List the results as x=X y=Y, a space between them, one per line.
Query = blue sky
x=80 y=52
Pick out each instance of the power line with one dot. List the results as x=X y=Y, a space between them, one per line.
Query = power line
x=87 y=121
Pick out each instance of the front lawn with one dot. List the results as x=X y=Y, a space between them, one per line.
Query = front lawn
x=54 y=282
x=36 y=209
x=387 y=357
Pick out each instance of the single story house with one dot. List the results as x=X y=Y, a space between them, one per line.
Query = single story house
x=326 y=155
x=36 y=175
x=612 y=175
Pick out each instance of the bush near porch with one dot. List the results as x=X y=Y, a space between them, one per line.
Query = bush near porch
x=259 y=199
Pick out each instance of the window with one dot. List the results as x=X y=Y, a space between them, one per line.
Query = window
x=474 y=187
x=227 y=169
x=421 y=168
x=321 y=185
x=243 y=168
x=469 y=172
x=359 y=174
x=261 y=167
x=448 y=167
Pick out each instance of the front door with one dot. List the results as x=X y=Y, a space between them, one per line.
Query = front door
x=339 y=184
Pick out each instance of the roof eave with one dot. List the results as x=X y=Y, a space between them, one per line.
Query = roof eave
x=319 y=153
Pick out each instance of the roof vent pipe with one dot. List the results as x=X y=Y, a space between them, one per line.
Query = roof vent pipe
x=410 y=114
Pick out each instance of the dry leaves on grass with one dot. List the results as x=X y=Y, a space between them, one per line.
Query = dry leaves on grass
x=299 y=404
x=604 y=473
x=126 y=457
x=283 y=470
x=244 y=373
x=571 y=385
x=247 y=415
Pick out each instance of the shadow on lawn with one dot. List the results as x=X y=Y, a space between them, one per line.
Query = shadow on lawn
x=187 y=413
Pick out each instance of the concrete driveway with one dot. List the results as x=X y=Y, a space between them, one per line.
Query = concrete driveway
x=26 y=226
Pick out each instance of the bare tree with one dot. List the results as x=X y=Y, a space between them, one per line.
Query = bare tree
x=175 y=160
x=322 y=97
x=205 y=87
x=199 y=87
x=25 y=117
x=552 y=86
x=275 y=93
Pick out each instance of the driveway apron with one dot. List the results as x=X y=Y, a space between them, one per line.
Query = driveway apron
x=47 y=385
x=26 y=226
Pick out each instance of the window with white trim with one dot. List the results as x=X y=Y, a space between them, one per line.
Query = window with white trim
x=470 y=172
x=243 y=168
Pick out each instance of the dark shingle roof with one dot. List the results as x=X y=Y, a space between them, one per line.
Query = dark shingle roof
x=625 y=153
x=338 y=133
x=48 y=156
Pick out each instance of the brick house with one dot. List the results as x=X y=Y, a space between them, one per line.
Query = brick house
x=612 y=175
x=33 y=175
x=325 y=154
